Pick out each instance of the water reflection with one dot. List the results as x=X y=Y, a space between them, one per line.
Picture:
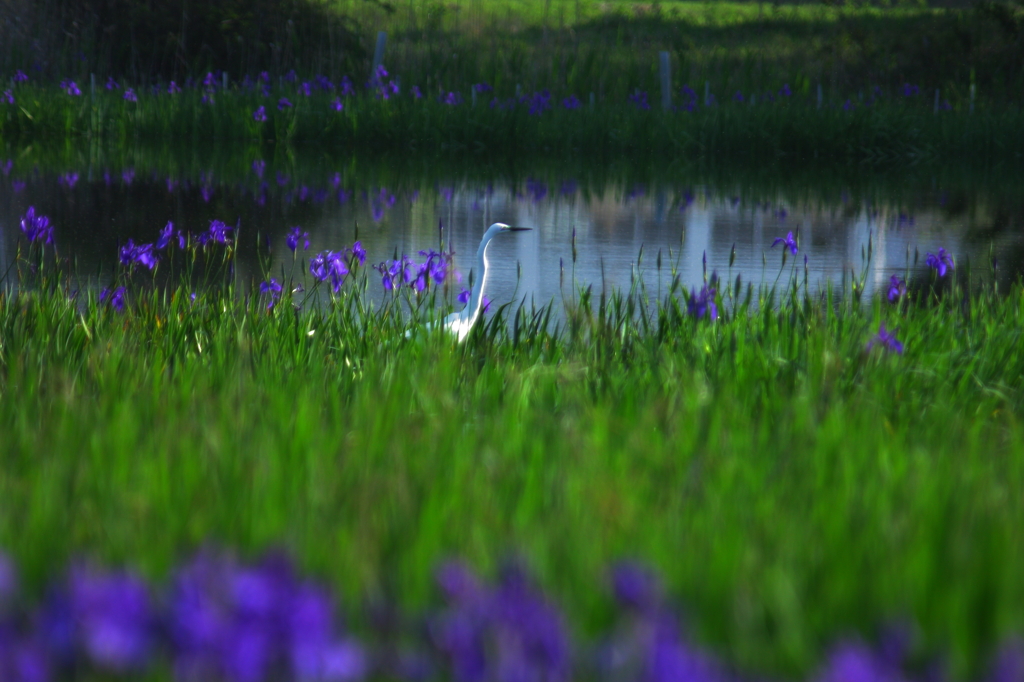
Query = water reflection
x=693 y=228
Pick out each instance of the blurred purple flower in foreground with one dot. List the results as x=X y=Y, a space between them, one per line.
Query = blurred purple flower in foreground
x=112 y=614
x=941 y=262
x=260 y=115
x=283 y=103
x=507 y=632
x=886 y=340
x=70 y=87
x=36 y=228
x=130 y=96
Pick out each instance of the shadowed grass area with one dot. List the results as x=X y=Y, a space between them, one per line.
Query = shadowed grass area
x=791 y=485
x=891 y=129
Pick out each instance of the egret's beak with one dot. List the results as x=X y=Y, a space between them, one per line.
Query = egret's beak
x=519 y=229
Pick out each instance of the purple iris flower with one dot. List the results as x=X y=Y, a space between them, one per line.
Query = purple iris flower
x=482 y=87
x=941 y=262
x=452 y=99
x=897 y=289
x=258 y=166
x=887 y=340
x=785 y=91
x=114 y=298
x=36 y=228
x=329 y=265
x=294 y=235
x=69 y=179
x=337 y=104
x=260 y=115
x=127 y=176
x=539 y=103
x=571 y=102
x=70 y=87
x=416 y=92
x=271 y=289
x=703 y=304
x=738 y=97
x=20 y=76
x=788 y=242
x=173 y=88
x=130 y=96
x=306 y=89
x=395 y=273
x=143 y=254
x=909 y=90
x=463 y=296
x=346 y=86
x=283 y=103
x=359 y=252
x=639 y=100
x=166 y=235
x=8 y=97
x=219 y=232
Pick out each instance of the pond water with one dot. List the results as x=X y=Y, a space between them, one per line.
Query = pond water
x=95 y=208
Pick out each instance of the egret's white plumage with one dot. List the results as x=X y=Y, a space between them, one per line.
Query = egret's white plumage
x=462 y=322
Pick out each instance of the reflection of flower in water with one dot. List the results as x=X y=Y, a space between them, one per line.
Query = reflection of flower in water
x=686 y=200
x=536 y=189
x=383 y=199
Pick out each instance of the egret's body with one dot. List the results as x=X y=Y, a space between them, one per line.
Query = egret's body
x=462 y=322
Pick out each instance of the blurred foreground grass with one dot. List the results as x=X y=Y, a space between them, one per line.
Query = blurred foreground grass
x=791 y=486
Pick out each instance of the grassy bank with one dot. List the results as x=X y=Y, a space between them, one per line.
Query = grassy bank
x=891 y=129
x=791 y=485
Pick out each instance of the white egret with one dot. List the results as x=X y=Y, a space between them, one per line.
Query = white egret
x=462 y=322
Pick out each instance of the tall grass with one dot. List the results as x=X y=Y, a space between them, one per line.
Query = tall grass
x=791 y=484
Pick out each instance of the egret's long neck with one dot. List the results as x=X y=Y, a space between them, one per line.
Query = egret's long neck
x=476 y=294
